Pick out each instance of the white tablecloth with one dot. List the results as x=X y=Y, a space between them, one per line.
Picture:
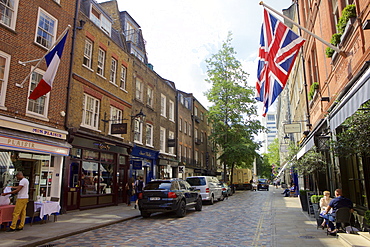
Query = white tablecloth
x=47 y=208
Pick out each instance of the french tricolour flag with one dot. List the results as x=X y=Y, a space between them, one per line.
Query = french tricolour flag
x=52 y=61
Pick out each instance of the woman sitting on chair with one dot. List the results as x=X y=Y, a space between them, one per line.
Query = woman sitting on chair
x=324 y=203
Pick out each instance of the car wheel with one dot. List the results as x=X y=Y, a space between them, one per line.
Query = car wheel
x=212 y=200
x=222 y=197
x=181 y=210
x=198 y=206
x=145 y=214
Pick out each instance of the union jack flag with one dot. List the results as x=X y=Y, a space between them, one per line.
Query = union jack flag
x=278 y=50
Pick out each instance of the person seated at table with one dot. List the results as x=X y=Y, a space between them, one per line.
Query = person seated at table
x=324 y=203
x=338 y=202
x=287 y=191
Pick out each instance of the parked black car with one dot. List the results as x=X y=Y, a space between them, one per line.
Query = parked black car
x=262 y=184
x=168 y=195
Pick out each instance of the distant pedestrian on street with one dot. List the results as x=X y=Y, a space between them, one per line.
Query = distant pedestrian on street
x=21 y=204
x=130 y=190
x=277 y=183
x=139 y=185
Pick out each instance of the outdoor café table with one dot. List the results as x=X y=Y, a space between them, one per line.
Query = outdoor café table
x=6 y=213
x=47 y=208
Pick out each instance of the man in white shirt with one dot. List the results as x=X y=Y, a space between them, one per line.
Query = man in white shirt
x=21 y=204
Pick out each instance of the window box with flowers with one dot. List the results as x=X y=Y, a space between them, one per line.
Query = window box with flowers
x=345 y=22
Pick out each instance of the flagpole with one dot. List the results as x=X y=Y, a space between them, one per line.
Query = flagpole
x=56 y=42
x=306 y=30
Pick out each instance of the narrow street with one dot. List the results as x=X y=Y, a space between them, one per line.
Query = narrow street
x=248 y=218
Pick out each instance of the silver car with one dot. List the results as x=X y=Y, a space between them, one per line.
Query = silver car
x=210 y=187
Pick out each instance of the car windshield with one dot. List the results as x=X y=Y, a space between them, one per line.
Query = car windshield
x=159 y=185
x=262 y=180
x=196 y=181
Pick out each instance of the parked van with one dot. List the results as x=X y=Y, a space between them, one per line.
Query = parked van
x=210 y=187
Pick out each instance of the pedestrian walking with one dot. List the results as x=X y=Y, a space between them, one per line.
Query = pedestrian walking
x=130 y=191
x=139 y=185
x=21 y=204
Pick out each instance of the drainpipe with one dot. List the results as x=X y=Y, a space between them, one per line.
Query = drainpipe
x=66 y=160
x=309 y=125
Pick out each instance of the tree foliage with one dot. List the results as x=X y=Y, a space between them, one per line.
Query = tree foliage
x=311 y=162
x=354 y=140
x=273 y=153
x=233 y=111
x=264 y=166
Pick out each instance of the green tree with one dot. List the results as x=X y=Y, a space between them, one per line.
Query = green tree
x=273 y=153
x=233 y=110
x=264 y=166
x=354 y=139
x=310 y=164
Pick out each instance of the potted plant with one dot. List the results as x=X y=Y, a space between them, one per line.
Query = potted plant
x=303 y=199
x=315 y=199
x=348 y=13
x=313 y=89
x=367 y=217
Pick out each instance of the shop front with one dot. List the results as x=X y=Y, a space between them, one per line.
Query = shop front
x=35 y=150
x=97 y=172
x=167 y=167
x=143 y=163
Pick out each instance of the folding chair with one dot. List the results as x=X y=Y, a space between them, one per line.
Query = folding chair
x=343 y=217
x=30 y=211
x=54 y=199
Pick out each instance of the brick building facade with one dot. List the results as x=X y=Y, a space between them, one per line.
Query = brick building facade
x=32 y=133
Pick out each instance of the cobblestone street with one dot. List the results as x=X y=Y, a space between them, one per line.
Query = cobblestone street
x=245 y=219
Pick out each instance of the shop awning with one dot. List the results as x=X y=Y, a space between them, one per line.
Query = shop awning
x=306 y=147
x=286 y=165
x=358 y=94
x=5 y=160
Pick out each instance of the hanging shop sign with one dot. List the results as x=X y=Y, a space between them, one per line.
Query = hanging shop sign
x=292 y=128
x=171 y=143
x=120 y=128
x=137 y=164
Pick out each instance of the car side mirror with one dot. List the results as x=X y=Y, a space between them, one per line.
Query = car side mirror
x=191 y=188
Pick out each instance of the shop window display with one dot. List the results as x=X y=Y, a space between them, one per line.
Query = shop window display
x=96 y=178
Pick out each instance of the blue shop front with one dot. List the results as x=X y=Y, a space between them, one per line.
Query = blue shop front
x=143 y=162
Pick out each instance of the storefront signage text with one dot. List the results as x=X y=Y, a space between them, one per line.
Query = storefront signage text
x=145 y=154
x=21 y=143
x=24 y=144
x=47 y=133
x=102 y=145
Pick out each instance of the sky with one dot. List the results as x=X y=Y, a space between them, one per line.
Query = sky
x=180 y=35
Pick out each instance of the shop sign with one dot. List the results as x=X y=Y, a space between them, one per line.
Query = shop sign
x=27 y=145
x=145 y=153
x=34 y=130
x=292 y=128
x=120 y=128
x=181 y=169
x=171 y=143
x=137 y=164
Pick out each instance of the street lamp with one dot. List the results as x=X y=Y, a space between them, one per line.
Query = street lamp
x=140 y=115
x=138 y=119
